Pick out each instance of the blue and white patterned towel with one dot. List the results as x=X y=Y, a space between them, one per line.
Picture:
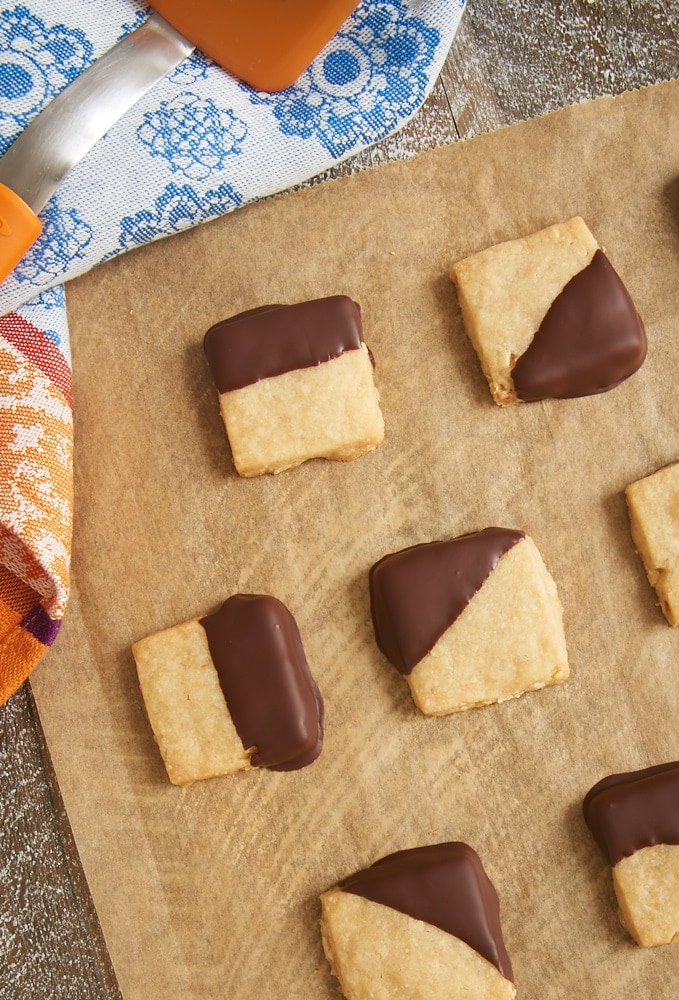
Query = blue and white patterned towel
x=200 y=144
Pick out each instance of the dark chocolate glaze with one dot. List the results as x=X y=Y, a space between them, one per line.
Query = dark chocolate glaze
x=417 y=593
x=272 y=698
x=637 y=809
x=275 y=339
x=444 y=885
x=591 y=339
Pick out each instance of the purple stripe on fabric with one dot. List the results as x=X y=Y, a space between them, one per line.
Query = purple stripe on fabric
x=40 y=625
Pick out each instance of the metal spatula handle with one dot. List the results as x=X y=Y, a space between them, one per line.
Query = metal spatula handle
x=70 y=125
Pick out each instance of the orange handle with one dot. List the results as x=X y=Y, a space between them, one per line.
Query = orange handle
x=19 y=229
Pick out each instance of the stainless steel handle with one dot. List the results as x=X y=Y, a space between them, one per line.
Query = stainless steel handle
x=71 y=124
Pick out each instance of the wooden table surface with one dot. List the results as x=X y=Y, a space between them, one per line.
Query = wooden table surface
x=511 y=60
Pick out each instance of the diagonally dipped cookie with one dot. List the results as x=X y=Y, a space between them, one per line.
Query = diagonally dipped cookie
x=634 y=818
x=420 y=923
x=295 y=382
x=548 y=316
x=231 y=691
x=470 y=621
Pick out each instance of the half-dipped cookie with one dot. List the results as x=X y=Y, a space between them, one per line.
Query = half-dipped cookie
x=231 y=691
x=295 y=382
x=634 y=818
x=469 y=621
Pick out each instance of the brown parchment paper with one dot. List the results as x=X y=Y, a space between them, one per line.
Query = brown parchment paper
x=212 y=891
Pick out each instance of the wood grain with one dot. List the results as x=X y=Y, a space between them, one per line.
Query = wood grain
x=50 y=940
x=508 y=63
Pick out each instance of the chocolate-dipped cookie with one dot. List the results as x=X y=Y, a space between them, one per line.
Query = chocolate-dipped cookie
x=634 y=818
x=295 y=382
x=469 y=621
x=549 y=317
x=231 y=691
x=420 y=923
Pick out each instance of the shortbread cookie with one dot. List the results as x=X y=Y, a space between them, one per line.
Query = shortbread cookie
x=231 y=691
x=634 y=819
x=420 y=924
x=295 y=382
x=471 y=621
x=548 y=316
x=653 y=505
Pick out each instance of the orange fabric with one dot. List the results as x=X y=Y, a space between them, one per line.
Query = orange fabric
x=9 y=619
x=33 y=344
x=19 y=652
x=36 y=499
x=17 y=599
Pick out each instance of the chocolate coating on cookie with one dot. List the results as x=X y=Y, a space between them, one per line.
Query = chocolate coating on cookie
x=444 y=885
x=272 y=698
x=591 y=339
x=630 y=811
x=416 y=594
x=272 y=340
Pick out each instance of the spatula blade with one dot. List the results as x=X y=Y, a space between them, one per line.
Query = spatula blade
x=71 y=124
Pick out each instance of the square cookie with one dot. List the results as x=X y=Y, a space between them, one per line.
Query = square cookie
x=548 y=316
x=634 y=818
x=470 y=621
x=420 y=923
x=231 y=691
x=653 y=505
x=295 y=382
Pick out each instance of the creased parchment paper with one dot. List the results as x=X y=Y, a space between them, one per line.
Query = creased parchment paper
x=212 y=891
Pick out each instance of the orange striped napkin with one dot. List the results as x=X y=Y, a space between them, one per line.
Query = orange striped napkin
x=36 y=495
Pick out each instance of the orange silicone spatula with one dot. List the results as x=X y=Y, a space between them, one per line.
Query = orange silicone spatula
x=266 y=43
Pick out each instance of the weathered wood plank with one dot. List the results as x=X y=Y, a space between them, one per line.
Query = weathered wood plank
x=51 y=945
x=540 y=57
